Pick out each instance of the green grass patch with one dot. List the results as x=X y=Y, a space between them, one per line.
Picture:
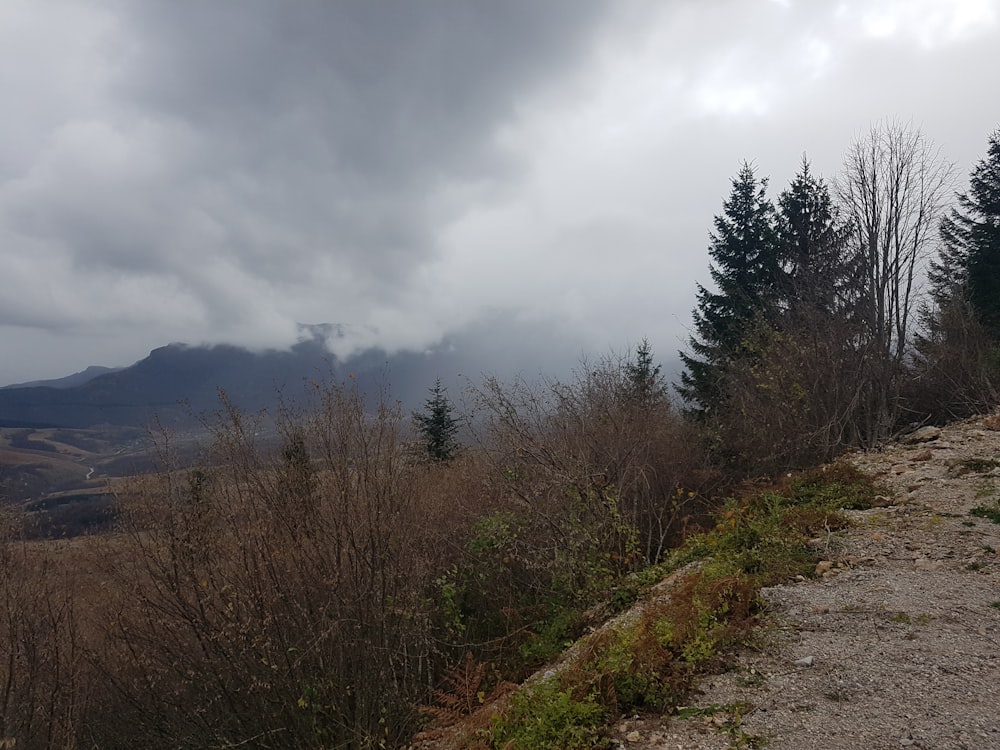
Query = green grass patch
x=989 y=512
x=653 y=663
x=546 y=716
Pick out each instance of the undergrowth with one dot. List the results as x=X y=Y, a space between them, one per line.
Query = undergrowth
x=652 y=662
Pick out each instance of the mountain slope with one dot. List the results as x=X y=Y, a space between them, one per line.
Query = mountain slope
x=177 y=382
x=70 y=381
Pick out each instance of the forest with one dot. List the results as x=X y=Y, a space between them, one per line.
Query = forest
x=373 y=574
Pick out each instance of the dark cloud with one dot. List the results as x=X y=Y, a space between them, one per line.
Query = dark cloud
x=219 y=171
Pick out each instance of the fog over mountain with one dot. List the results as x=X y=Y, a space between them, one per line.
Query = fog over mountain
x=519 y=180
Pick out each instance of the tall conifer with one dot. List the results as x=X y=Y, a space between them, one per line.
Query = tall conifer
x=745 y=269
x=970 y=234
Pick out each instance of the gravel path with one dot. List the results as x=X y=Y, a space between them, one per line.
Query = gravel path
x=896 y=643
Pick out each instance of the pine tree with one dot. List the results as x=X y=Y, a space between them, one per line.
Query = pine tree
x=970 y=234
x=745 y=269
x=437 y=425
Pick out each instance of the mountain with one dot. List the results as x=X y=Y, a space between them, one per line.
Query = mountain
x=70 y=381
x=176 y=383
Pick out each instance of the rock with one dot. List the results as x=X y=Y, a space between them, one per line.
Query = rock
x=923 y=435
x=806 y=661
x=992 y=422
x=900 y=469
x=633 y=737
x=924 y=455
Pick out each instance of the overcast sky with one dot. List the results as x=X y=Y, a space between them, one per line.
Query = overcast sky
x=538 y=177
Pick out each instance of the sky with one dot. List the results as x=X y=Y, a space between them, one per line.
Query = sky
x=525 y=181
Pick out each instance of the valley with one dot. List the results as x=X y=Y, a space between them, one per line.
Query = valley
x=63 y=480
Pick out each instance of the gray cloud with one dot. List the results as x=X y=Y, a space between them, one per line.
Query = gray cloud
x=218 y=171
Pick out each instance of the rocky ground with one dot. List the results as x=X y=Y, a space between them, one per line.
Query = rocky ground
x=896 y=642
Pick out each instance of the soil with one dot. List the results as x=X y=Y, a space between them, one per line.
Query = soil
x=896 y=641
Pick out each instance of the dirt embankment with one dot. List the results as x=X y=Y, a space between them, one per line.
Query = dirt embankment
x=897 y=642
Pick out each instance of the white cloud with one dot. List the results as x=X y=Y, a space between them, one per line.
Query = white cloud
x=928 y=22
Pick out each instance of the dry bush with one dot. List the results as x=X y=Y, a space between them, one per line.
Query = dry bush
x=956 y=370
x=801 y=396
x=629 y=469
x=276 y=596
x=44 y=679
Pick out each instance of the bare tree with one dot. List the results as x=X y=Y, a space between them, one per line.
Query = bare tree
x=893 y=189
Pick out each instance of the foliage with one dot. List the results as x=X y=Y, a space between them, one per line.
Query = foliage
x=957 y=370
x=819 y=272
x=970 y=233
x=644 y=383
x=745 y=270
x=280 y=594
x=547 y=717
x=652 y=662
x=437 y=425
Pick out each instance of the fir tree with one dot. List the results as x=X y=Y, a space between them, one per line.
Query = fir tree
x=818 y=272
x=745 y=269
x=437 y=425
x=969 y=265
x=643 y=382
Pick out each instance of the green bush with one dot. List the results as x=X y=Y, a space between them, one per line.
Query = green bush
x=547 y=717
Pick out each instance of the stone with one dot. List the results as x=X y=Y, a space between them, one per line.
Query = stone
x=633 y=737
x=923 y=435
x=992 y=422
x=805 y=661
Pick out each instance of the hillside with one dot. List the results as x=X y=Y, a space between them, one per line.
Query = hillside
x=891 y=642
x=895 y=642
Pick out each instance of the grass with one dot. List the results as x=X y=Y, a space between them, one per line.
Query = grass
x=978 y=465
x=989 y=512
x=652 y=663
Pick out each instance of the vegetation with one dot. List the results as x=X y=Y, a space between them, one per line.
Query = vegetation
x=437 y=425
x=745 y=270
x=651 y=663
x=307 y=581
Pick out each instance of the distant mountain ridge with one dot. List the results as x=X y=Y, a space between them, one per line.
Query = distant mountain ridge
x=70 y=381
x=177 y=382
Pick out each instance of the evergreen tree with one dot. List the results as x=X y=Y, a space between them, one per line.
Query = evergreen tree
x=437 y=425
x=745 y=269
x=818 y=273
x=643 y=382
x=957 y=364
x=970 y=258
